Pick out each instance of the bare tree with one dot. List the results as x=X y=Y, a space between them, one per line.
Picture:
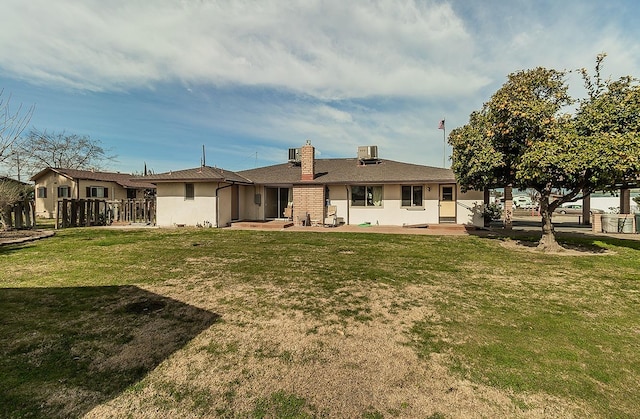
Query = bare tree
x=12 y=124
x=41 y=149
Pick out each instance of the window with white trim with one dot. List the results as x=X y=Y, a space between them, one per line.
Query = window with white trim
x=366 y=196
x=412 y=196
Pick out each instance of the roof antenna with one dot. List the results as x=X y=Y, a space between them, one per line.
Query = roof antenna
x=203 y=161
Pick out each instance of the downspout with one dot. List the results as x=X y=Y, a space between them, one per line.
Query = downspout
x=347 y=188
x=217 y=206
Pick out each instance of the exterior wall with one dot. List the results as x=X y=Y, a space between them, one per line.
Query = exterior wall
x=470 y=205
x=338 y=197
x=249 y=210
x=393 y=213
x=115 y=191
x=224 y=205
x=173 y=209
x=308 y=199
x=46 y=207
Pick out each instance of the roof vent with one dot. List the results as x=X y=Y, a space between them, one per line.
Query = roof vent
x=368 y=152
x=294 y=155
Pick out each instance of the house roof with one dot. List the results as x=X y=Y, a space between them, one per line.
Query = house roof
x=8 y=179
x=350 y=171
x=198 y=174
x=122 y=179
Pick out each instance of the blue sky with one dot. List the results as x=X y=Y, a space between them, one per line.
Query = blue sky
x=156 y=80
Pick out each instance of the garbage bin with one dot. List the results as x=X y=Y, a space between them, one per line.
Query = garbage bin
x=625 y=224
x=609 y=223
x=637 y=222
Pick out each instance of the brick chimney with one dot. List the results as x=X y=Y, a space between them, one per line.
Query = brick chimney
x=307 y=161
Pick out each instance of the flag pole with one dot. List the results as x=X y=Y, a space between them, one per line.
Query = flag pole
x=444 y=146
x=444 y=141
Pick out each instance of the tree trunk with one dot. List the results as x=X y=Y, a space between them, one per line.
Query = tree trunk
x=548 y=241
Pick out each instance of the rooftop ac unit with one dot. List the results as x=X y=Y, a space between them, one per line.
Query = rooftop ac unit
x=368 y=152
x=294 y=155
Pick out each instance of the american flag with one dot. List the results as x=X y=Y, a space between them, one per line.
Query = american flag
x=441 y=126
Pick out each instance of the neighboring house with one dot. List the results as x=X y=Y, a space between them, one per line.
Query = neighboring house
x=358 y=190
x=52 y=184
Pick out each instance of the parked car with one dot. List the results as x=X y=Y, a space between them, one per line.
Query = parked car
x=575 y=209
x=522 y=201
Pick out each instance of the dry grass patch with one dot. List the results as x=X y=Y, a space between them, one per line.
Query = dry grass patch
x=327 y=365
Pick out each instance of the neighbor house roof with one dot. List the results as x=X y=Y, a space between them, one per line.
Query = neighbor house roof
x=8 y=179
x=122 y=179
x=351 y=171
x=198 y=174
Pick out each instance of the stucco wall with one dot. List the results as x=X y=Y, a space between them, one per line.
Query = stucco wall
x=224 y=206
x=392 y=213
x=469 y=209
x=46 y=207
x=249 y=210
x=173 y=209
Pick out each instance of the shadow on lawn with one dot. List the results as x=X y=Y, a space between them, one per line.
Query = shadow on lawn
x=65 y=350
x=530 y=237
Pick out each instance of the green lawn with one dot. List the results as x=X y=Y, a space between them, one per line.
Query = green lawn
x=279 y=324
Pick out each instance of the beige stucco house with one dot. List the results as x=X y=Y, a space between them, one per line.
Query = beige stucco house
x=363 y=189
x=52 y=184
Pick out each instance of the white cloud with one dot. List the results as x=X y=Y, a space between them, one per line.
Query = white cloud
x=322 y=48
x=267 y=75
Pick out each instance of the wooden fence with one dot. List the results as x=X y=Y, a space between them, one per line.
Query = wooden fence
x=21 y=215
x=91 y=212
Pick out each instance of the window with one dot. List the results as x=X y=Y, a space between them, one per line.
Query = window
x=447 y=193
x=64 y=192
x=42 y=192
x=189 y=191
x=412 y=196
x=97 y=192
x=366 y=196
x=131 y=194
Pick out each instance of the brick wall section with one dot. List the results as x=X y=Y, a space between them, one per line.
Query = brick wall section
x=596 y=223
x=308 y=162
x=308 y=199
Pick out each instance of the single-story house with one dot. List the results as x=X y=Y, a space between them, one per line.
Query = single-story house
x=52 y=184
x=363 y=189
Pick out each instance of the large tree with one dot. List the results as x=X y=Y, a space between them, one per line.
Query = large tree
x=41 y=149
x=524 y=138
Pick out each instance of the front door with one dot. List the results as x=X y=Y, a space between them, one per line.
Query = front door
x=447 y=203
